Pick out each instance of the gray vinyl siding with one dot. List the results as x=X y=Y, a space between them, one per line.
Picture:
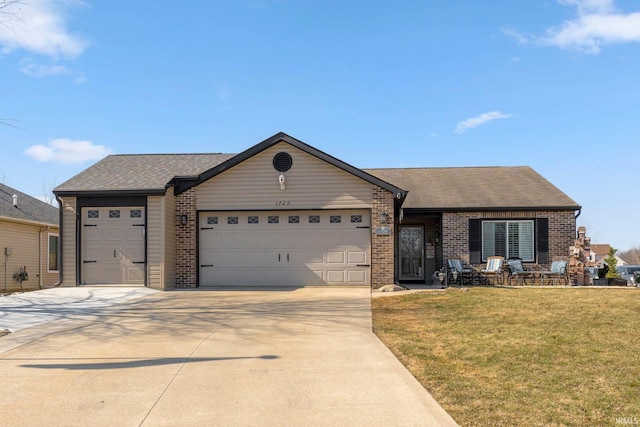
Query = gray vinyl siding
x=169 y=240
x=161 y=223
x=23 y=241
x=311 y=183
x=68 y=237
x=155 y=242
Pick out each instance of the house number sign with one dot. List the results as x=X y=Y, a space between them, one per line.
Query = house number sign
x=283 y=203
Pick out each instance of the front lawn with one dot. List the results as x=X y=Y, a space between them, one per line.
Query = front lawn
x=521 y=356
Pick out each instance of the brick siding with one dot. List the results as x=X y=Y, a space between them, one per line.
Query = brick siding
x=186 y=251
x=455 y=231
x=382 y=246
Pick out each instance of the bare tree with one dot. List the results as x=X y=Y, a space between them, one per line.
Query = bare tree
x=47 y=192
x=631 y=256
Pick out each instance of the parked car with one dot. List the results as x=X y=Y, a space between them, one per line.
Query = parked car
x=593 y=274
x=631 y=273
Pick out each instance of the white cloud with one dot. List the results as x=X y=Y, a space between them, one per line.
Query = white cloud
x=476 y=121
x=589 y=32
x=590 y=6
x=39 y=27
x=64 y=150
x=37 y=70
x=597 y=23
x=34 y=69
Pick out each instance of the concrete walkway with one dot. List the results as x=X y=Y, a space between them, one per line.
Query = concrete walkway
x=277 y=357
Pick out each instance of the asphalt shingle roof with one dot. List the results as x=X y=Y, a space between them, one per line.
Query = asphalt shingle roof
x=475 y=187
x=28 y=209
x=144 y=172
x=501 y=187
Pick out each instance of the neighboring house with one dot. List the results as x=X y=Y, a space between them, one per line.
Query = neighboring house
x=600 y=251
x=285 y=213
x=28 y=240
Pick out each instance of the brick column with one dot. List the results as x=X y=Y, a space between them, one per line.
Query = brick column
x=382 y=246
x=186 y=253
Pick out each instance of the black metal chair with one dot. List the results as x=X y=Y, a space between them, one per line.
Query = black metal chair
x=518 y=274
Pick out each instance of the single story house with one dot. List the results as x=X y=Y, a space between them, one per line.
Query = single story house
x=28 y=241
x=285 y=213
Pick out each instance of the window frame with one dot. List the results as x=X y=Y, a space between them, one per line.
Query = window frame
x=57 y=252
x=507 y=254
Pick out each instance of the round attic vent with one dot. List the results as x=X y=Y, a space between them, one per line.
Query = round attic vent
x=282 y=162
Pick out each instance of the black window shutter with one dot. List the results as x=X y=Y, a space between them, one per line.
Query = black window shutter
x=475 y=241
x=542 y=240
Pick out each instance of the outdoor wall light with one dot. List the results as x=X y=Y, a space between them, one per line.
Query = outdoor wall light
x=281 y=180
x=183 y=219
x=383 y=217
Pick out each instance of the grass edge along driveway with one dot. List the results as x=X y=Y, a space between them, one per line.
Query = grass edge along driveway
x=521 y=356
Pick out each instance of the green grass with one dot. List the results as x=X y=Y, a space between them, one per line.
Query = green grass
x=521 y=356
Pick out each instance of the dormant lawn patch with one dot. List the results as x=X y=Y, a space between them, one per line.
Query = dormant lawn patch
x=521 y=356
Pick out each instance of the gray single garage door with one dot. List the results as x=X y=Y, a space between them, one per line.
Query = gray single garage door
x=284 y=248
x=113 y=245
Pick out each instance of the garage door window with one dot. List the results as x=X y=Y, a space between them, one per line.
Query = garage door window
x=356 y=219
x=93 y=214
x=212 y=220
x=273 y=219
x=232 y=220
x=135 y=213
x=294 y=219
x=114 y=213
x=253 y=219
x=335 y=219
x=314 y=219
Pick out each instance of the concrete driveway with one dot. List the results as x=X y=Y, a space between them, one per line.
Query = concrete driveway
x=277 y=357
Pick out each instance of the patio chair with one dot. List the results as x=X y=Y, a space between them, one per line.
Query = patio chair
x=460 y=273
x=518 y=274
x=559 y=273
x=493 y=273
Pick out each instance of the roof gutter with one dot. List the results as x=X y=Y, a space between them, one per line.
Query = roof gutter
x=111 y=193
x=579 y=212
x=26 y=221
x=60 y=234
x=491 y=209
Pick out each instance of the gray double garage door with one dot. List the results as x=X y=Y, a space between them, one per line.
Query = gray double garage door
x=284 y=248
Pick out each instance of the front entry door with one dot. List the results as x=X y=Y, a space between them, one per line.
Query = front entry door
x=411 y=253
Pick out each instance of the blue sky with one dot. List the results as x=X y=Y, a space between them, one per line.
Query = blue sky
x=550 y=84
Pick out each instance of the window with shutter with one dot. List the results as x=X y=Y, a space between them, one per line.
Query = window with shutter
x=508 y=239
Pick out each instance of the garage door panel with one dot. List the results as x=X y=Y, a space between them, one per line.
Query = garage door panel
x=312 y=249
x=311 y=257
x=314 y=277
x=113 y=234
x=336 y=276
x=334 y=257
x=231 y=258
x=356 y=257
x=233 y=240
x=315 y=238
x=273 y=239
x=357 y=276
x=134 y=274
x=337 y=238
x=293 y=239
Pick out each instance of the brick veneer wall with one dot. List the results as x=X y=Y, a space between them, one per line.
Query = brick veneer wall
x=186 y=255
x=382 y=247
x=455 y=231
